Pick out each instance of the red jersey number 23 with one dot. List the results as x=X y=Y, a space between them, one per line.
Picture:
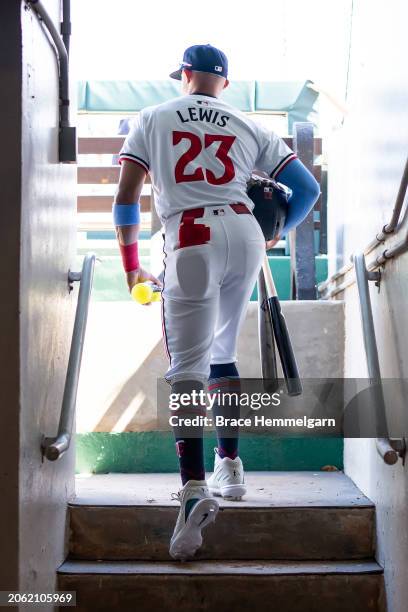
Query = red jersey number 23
x=195 y=148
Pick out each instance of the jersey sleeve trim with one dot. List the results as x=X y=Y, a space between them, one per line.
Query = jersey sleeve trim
x=135 y=159
x=284 y=162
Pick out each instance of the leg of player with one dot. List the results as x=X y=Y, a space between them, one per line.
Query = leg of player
x=197 y=507
x=189 y=304
x=228 y=477
x=246 y=251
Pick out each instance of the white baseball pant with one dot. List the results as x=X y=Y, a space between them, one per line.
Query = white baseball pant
x=207 y=289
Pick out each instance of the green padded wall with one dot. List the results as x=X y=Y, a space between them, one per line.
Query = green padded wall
x=292 y=97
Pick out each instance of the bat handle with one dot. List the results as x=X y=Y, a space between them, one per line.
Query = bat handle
x=270 y=285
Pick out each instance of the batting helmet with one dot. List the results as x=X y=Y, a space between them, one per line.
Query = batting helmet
x=271 y=204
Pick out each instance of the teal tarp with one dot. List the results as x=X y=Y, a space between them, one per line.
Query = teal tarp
x=298 y=100
x=294 y=98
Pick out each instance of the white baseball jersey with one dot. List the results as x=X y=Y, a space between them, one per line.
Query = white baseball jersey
x=201 y=151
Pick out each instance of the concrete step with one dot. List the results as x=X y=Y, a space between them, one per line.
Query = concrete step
x=285 y=515
x=231 y=586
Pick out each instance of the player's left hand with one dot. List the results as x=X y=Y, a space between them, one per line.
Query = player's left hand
x=140 y=276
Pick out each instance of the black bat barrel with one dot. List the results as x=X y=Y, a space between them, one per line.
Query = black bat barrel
x=266 y=340
x=286 y=354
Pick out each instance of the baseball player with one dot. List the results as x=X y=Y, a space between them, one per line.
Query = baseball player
x=200 y=153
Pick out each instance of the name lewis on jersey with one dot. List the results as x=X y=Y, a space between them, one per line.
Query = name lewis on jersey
x=203 y=114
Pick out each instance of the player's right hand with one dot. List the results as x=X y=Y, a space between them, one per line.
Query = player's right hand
x=269 y=244
x=140 y=276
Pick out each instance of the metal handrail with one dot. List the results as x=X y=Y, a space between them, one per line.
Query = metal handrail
x=389 y=448
x=54 y=448
x=390 y=227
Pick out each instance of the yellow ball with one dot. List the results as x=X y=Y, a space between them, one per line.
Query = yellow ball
x=142 y=293
x=156 y=296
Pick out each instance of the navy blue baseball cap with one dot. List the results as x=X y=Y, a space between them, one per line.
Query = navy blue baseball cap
x=203 y=58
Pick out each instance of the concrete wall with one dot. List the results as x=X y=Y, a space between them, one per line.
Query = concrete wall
x=48 y=207
x=386 y=486
x=366 y=156
x=122 y=362
x=366 y=164
x=37 y=240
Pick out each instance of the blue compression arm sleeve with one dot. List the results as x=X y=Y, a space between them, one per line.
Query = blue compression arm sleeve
x=126 y=214
x=305 y=192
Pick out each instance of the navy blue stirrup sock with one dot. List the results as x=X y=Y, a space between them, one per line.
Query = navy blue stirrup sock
x=219 y=370
x=225 y=377
x=190 y=450
x=190 y=453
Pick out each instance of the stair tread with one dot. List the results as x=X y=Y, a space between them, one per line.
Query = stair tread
x=278 y=568
x=265 y=490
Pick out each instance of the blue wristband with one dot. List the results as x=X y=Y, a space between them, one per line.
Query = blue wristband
x=126 y=214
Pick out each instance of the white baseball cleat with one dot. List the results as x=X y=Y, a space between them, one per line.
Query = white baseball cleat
x=201 y=509
x=228 y=478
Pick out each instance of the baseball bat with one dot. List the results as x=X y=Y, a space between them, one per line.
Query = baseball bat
x=282 y=338
x=266 y=339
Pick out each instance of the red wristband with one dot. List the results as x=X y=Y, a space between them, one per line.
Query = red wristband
x=130 y=256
